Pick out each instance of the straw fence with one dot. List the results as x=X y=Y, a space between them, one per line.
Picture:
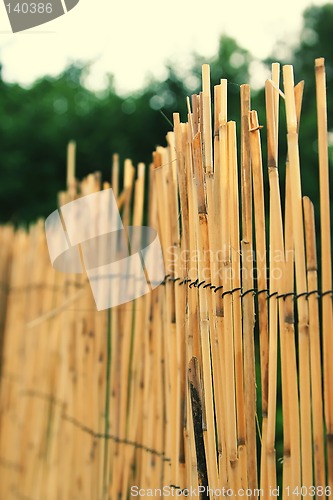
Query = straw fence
x=182 y=388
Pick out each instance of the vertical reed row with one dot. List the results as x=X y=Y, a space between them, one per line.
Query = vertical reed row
x=183 y=387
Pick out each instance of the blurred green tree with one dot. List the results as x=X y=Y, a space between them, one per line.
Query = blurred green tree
x=315 y=41
x=37 y=122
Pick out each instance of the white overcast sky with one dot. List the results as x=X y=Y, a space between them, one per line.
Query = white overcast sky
x=132 y=39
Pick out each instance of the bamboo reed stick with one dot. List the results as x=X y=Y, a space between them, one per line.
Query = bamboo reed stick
x=315 y=351
x=236 y=305
x=293 y=453
x=326 y=255
x=261 y=266
x=202 y=245
x=248 y=302
x=301 y=282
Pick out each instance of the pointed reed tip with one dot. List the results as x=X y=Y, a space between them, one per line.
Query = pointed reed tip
x=320 y=61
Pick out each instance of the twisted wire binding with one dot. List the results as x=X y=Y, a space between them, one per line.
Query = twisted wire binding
x=96 y=435
x=116 y=439
x=196 y=283
x=6 y=288
x=7 y=464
